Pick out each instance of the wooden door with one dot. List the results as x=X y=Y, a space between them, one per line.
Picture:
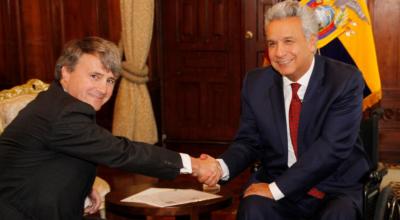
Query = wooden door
x=253 y=33
x=201 y=79
x=385 y=17
x=33 y=32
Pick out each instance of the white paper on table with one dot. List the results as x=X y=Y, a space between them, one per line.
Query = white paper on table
x=162 y=197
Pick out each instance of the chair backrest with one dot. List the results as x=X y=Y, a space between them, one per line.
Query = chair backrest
x=14 y=99
x=369 y=133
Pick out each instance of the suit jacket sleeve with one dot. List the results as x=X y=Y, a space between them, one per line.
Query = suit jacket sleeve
x=247 y=146
x=75 y=132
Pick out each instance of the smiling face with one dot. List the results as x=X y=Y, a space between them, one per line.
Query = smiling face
x=89 y=81
x=290 y=52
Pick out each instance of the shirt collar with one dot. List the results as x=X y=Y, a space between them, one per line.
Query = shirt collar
x=304 y=80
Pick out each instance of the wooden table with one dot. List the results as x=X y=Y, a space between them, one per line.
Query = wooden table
x=193 y=211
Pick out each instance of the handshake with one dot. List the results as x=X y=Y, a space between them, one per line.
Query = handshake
x=206 y=169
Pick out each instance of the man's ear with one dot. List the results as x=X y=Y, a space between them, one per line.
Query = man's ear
x=65 y=75
x=312 y=43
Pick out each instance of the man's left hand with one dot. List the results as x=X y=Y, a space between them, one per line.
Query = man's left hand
x=95 y=202
x=261 y=189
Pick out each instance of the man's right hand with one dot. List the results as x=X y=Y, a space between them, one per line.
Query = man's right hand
x=260 y=189
x=207 y=169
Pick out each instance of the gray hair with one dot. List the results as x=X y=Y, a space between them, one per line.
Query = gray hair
x=106 y=51
x=290 y=8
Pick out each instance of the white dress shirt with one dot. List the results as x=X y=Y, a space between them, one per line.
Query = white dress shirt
x=187 y=164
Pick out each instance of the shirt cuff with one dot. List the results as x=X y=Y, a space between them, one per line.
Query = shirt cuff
x=187 y=164
x=275 y=191
x=225 y=170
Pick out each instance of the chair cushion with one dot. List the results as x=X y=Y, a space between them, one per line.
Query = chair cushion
x=10 y=108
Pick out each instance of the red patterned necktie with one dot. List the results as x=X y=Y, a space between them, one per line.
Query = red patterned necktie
x=294 y=119
x=294 y=115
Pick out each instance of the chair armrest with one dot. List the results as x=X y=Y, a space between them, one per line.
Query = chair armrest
x=377 y=175
x=372 y=189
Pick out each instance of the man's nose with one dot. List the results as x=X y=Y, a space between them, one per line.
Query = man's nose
x=102 y=86
x=279 y=50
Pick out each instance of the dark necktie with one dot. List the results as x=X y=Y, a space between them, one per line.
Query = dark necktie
x=294 y=115
x=294 y=119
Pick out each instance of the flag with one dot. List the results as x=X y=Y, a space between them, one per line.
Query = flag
x=345 y=33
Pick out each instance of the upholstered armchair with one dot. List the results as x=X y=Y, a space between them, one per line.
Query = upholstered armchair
x=15 y=99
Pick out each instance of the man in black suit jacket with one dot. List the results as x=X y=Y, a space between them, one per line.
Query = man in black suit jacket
x=312 y=168
x=48 y=154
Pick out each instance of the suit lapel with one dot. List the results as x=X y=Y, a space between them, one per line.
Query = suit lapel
x=307 y=109
x=278 y=109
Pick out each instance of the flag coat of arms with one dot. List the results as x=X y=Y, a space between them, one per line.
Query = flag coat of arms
x=345 y=32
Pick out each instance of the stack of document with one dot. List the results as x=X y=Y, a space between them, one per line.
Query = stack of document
x=163 y=197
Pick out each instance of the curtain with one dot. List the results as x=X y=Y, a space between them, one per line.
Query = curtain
x=133 y=112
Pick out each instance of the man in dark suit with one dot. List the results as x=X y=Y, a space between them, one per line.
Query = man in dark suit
x=48 y=154
x=300 y=117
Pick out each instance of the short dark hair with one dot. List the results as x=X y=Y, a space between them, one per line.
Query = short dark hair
x=105 y=50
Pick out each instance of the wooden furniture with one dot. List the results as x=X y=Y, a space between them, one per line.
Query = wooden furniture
x=193 y=211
